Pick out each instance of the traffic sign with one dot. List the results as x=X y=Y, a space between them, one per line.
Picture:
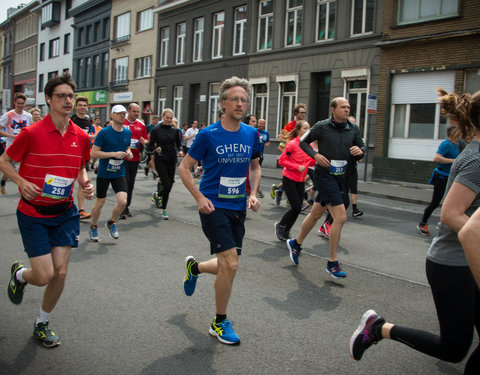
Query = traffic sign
x=147 y=110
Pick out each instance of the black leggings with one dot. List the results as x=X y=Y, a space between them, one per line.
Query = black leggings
x=439 y=186
x=295 y=192
x=457 y=301
x=166 y=174
x=131 y=169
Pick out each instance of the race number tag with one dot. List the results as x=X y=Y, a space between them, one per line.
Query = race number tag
x=232 y=187
x=114 y=165
x=338 y=167
x=134 y=143
x=56 y=187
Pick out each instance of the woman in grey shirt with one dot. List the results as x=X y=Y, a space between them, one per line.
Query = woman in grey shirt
x=456 y=296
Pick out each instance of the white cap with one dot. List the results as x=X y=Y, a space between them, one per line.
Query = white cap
x=118 y=108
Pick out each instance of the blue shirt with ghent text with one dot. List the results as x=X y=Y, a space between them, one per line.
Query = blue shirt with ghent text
x=225 y=157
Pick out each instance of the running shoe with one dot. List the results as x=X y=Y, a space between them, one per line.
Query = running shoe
x=324 y=230
x=272 y=192
x=123 y=215
x=190 y=281
x=157 y=200
x=334 y=269
x=423 y=229
x=367 y=333
x=356 y=213
x=3 y=189
x=305 y=205
x=294 y=249
x=280 y=232
x=15 y=287
x=128 y=213
x=94 y=234
x=278 y=196
x=45 y=335
x=146 y=170
x=260 y=194
x=84 y=215
x=164 y=215
x=112 y=230
x=224 y=332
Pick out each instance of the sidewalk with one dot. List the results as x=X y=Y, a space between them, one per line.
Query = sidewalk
x=406 y=192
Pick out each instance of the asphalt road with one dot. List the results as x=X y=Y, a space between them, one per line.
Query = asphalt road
x=123 y=310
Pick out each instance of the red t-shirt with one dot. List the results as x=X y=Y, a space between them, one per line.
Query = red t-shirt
x=139 y=130
x=290 y=126
x=49 y=160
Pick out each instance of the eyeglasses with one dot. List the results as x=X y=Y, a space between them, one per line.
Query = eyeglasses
x=236 y=99
x=65 y=96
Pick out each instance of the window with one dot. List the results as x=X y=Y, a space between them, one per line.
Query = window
x=88 y=71
x=122 y=27
x=260 y=100
x=326 y=19
x=80 y=74
x=96 y=32
x=80 y=33
x=417 y=125
x=40 y=83
x=177 y=103
x=145 y=20
x=239 y=30
x=288 y=100
x=54 y=48
x=357 y=91
x=213 y=104
x=120 y=71
x=294 y=20
x=41 y=53
x=104 y=69
x=52 y=74
x=164 y=39
x=88 y=35
x=66 y=44
x=180 y=51
x=162 y=99
x=424 y=10
x=198 y=26
x=143 y=67
x=217 y=43
x=96 y=70
x=106 y=28
x=362 y=16
x=265 y=25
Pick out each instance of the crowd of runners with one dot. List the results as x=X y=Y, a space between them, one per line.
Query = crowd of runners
x=229 y=154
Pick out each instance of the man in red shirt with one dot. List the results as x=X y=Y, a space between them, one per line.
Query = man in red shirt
x=139 y=138
x=48 y=219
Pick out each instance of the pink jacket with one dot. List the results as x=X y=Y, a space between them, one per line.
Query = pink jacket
x=292 y=158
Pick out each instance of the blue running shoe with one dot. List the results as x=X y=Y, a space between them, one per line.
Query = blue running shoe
x=190 y=281
x=368 y=332
x=294 y=248
x=334 y=269
x=45 y=335
x=15 y=287
x=94 y=235
x=224 y=332
x=112 y=230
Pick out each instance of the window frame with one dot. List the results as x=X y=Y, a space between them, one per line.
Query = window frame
x=420 y=19
x=181 y=36
x=164 y=41
x=54 y=48
x=295 y=10
x=125 y=24
x=218 y=31
x=177 y=102
x=143 y=65
x=364 y=18
x=198 y=37
x=213 y=101
x=162 y=99
x=239 y=26
x=326 y=29
x=149 y=22
x=116 y=75
x=268 y=34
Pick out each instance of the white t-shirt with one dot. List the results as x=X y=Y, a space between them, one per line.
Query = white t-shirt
x=12 y=123
x=188 y=133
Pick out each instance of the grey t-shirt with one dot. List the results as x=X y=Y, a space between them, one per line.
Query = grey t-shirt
x=445 y=248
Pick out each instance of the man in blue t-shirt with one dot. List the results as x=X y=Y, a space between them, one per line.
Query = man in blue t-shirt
x=111 y=146
x=227 y=149
x=446 y=154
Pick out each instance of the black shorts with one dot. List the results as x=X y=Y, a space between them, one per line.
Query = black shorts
x=330 y=187
x=224 y=229
x=118 y=184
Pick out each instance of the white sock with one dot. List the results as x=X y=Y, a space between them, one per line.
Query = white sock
x=19 y=276
x=43 y=317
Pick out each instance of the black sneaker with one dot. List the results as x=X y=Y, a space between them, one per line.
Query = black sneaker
x=146 y=170
x=356 y=212
x=280 y=232
x=123 y=216
x=45 y=335
x=367 y=333
x=15 y=287
x=278 y=197
x=128 y=212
